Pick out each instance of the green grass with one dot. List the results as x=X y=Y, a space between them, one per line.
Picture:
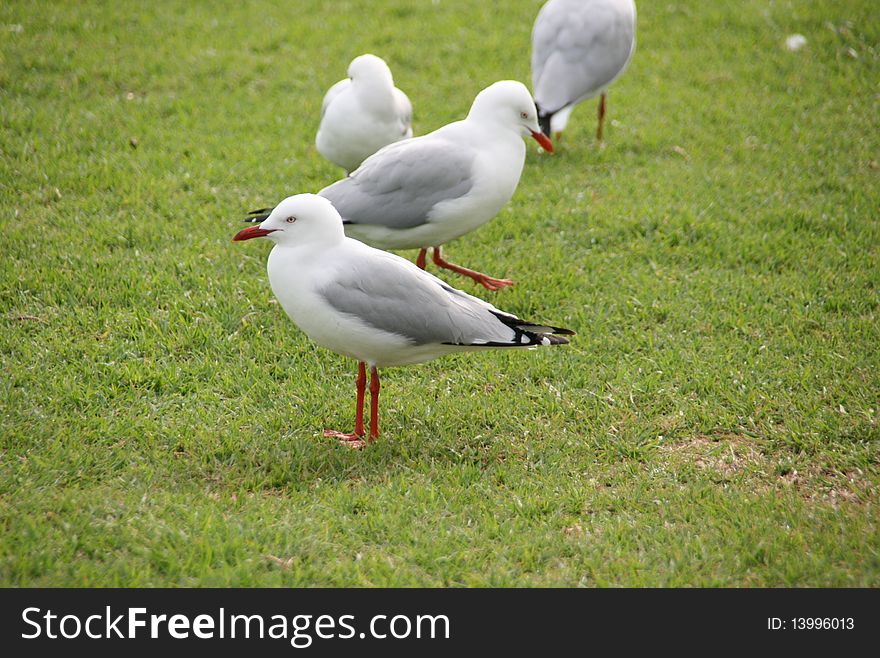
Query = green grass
x=713 y=423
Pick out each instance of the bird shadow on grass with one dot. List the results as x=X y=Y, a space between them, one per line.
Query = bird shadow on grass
x=300 y=461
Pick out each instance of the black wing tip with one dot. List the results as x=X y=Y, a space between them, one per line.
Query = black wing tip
x=544 y=118
x=547 y=339
x=259 y=215
x=535 y=334
x=534 y=340
x=529 y=327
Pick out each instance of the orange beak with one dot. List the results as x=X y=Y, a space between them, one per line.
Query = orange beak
x=543 y=140
x=252 y=232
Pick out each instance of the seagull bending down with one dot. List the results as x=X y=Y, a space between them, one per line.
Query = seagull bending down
x=579 y=47
x=362 y=113
x=373 y=306
x=425 y=191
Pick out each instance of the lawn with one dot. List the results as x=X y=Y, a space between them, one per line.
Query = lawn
x=713 y=423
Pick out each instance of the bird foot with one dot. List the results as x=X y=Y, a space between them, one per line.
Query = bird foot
x=491 y=283
x=488 y=282
x=351 y=440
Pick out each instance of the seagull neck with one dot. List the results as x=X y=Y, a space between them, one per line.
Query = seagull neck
x=314 y=245
x=377 y=95
x=298 y=259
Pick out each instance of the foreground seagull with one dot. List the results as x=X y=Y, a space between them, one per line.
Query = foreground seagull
x=424 y=192
x=373 y=306
x=579 y=47
x=362 y=113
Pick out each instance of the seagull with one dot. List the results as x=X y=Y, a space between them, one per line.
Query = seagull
x=373 y=306
x=579 y=47
x=362 y=113
x=425 y=191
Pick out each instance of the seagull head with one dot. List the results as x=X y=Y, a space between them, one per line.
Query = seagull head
x=508 y=103
x=369 y=68
x=297 y=220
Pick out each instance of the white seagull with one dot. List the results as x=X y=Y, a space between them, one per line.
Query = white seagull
x=425 y=191
x=579 y=47
x=362 y=113
x=373 y=306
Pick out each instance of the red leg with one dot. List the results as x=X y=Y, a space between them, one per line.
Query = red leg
x=354 y=439
x=420 y=261
x=374 y=404
x=484 y=280
x=601 y=118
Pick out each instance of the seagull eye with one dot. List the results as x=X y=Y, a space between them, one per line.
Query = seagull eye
x=524 y=115
x=290 y=220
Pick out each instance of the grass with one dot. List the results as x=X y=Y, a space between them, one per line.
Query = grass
x=713 y=423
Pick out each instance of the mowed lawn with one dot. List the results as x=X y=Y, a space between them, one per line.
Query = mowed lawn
x=713 y=423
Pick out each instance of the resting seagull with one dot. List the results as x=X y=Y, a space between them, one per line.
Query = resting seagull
x=579 y=47
x=373 y=306
x=362 y=113
x=425 y=191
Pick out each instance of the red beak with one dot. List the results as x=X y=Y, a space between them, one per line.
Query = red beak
x=544 y=141
x=252 y=232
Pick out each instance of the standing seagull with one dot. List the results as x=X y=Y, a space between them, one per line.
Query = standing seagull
x=373 y=306
x=425 y=191
x=362 y=113
x=579 y=47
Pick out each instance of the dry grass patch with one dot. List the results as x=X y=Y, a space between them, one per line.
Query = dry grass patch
x=728 y=456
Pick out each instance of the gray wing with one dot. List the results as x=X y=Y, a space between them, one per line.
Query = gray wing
x=333 y=92
x=391 y=294
x=548 y=24
x=578 y=48
x=400 y=184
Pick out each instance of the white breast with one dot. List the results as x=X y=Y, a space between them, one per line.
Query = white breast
x=296 y=275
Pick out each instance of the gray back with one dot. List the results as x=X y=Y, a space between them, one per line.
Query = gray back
x=399 y=185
